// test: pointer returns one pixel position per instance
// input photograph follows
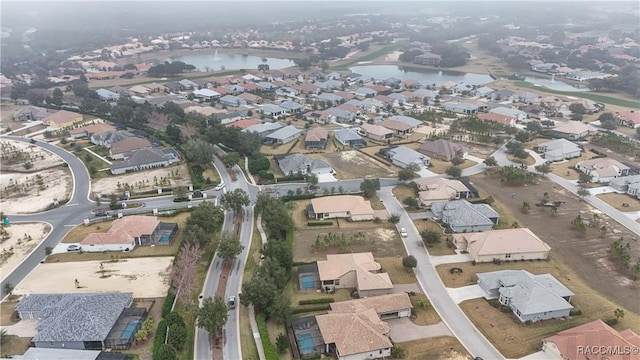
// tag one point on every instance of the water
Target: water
(217, 61)
(425, 76)
(554, 84)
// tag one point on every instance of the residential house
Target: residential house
(316, 139)
(531, 297)
(628, 118)
(140, 90)
(603, 170)
(440, 189)
(428, 59)
(107, 95)
(205, 110)
(574, 130)
(402, 156)
(463, 216)
(387, 101)
(341, 115)
(90, 130)
(581, 343)
(422, 94)
(244, 123)
(461, 107)
(498, 118)
(292, 107)
(318, 116)
(295, 163)
(232, 100)
(206, 94)
(286, 91)
(398, 98)
(283, 136)
(345, 95)
(509, 112)
(372, 104)
(351, 207)
(330, 98)
(504, 95)
(62, 119)
(128, 232)
(352, 109)
(263, 129)
(412, 122)
(506, 244)
(626, 184)
(143, 159)
(376, 132)
(81, 321)
(357, 271)
(442, 149)
(118, 149)
(483, 92)
(108, 138)
(250, 98)
(349, 137)
(399, 128)
(390, 306)
(559, 149)
(30, 113)
(329, 85)
(266, 86)
(273, 111)
(187, 84)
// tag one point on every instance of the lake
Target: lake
(425, 76)
(216, 61)
(555, 84)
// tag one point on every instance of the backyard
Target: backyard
(618, 200)
(566, 168)
(440, 348)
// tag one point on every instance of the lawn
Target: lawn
(275, 328)
(7, 309)
(440, 348)
(439, 249)
(402, 192)
(616, 200)
(507, 219)
(440, 166)
(376, 203)
(398, 273)
(355, 164)
(212, 174)
(79, 232)
(424, 315)
(14, 345)
(581, 94)
(529, 160)
(522, 339)
(566, 169)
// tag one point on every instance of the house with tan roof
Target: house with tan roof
(442, 149)
(90, 130)
(357, 271)
(498, 118)
(390, 306)
(316, 139)
(603, 170)
(244, 123)
(574, 130)
(351, 207)
(62, 118)
(376, 132)
(440, 189)
(629, 119)
(120, 148)
(130, 231)
(30, 113)
(584, 342)
(505, 244)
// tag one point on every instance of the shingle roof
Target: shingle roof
(62, 117)
(381, 304)
(461, 213)
(141, 157)
(124, 230)
(129, 144)
(575, 127)
(354, 333)
(346, 134)
(376, 129)
(294, 163)
(284, 133)
(260, 128)
(446, 149)
(505, 241)
(405, 155)
(604, 167)
(563, 146)
(407, 120)
(317, 134)
(363, 264)
(75, 317)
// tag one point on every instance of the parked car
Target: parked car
(220, 186)
(101, 213)
(231, 301)
(403, 232)
(74, 247)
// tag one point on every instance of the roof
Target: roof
(124, 230)
(405, 155)
(380, 304)
(244, 123)
(35, 111)
(317, 134)
(505, 241)
(442, 147)
(129, 144)
(294, 163)
(461, 213)
(575, 127)
(93, 129)
(355, 205)
(271, 108)
(457, 105)
(291, 105)
(330, 97)
(495, 117)
(604, 167)
(354, 333)
(111, 137)
(34, 353)
(376, 130)
(346, 134)
(263, 127)
(284, 133)
(395, 125)
(625, 180)
(632, 117)
(407, 120)
(595, 334)
(62, 117)
(141, 157)
(559, 146)
(75, 317)
(439, 183)
(363, 264)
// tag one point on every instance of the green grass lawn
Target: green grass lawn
(373, 55)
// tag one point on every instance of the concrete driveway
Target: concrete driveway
(450, 259)
(24, 328)
(466, 293)
(404, 330)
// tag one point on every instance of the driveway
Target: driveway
(466, 293)
(326, 177)
(450, 259)
(536, 356)
(24, 328)
(404, 330)
(405, 288)
(421, 215)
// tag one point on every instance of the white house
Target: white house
(603, 170)
(559, 149)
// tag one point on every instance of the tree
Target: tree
(185, 270)
(607, 121)
(8, 289)
(369, 187)
(457, 161)
(259, 291)
(454, 172)
(231, 159)
(394, 218)
(174, 133)
(207, 216)
(57, 97)
(235, 200)
(282, 343)
(584, 178)
(618, 313)
(544, 169)
(578, 108)
(520, 154)
(409, 262)
(166, 352)
(582, 192)
(198, 151)
(312, 179)
(212, 315)
(411, 201)
(491, 161)
(229, 246)
(177, 336)
(430, 237)
(406, 175)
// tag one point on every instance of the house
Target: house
(107, 95)
(500, 245)
(62, 119)
(188, 84)
(250, 98)
(130, 231)
(34, 353)
(390, 306)
(140, 90)
(349, 137)
(206, 94)
(509, 113)
(295, 163)
(30, 113)
(387, 101)
(351, 207)
(357, 271)
(412, 122)
(423, 94)
(628, 118)
(585, 342)
(603, 170)
(273, 111)
(462, 216)
(402, 156)
(244, 123)
(120, 148)
(330, 98)
(316, 139)
(497, 118)
(559, 149)
(292, 107)
(266, 86)
(440, 189)
(142, 159)
(90, 130)
(89, 321)
(531, 297)
(322, 117)
(574, 130)
(283, 135)
(263, 129)
(461, 107)
(108, 138)
(483, 92)
(504, 95)
(231, 100)
(341, 115)
(624, 183)
(376, 132)
(442, 149)
(399, 128)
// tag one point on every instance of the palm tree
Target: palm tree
(618, 313)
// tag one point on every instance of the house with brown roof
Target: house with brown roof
(440, 189)
(390, 306)
(30, 113)
(351, 207)
(629, 119)
(603, 170)
(316, 139)
(244, 123)
(120, 148)
(376, 132)
(574, 130)
(90, 130)
(585, 342)
(498, 118)
(442, 149)
(62, 118)
(250, 98)
(505, 244)
(128, 232)
(357, 271)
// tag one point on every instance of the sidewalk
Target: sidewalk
(252, 313)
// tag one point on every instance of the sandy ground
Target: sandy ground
(23, 238)
(143, 180)
(145, 277)
(427, 129)
(40, 158)
(55, 183)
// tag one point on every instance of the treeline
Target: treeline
(170, 69)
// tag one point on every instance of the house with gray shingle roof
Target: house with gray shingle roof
(349, 137)
(231, 100)
(273, 111)
(463, 216)
(292, 107)
(330, 98)
(109, 138)
(142, 159)
(365, 91)
(263, 129)
(298, 163)
(341, 115)
(461, 107)
(329, 85)
(283, 136)
(402, 156)
(412, 122)
(559, 149)
(75, 321)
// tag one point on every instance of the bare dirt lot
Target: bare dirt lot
(19, 240)
(353, 164)
(24, 193)
(16, 154)
(617, 200)
(141, 181)
(145, 277)
(586, 254)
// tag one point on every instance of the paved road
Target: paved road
(475, 343)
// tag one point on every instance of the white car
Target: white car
(220, 186)
(403, 232)
(231, 301)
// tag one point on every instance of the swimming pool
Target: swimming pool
(305, 344)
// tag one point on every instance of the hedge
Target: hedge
(480, 201)
(297, 197)
(168, 302)
(611, 322)
(319, 223)
(299, 310)
(316, 301)
(158, 340)
(270, 352)
(575, 312)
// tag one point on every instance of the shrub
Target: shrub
(611, 322)
(319, 223)
(299, 310)
(158, 340)
(505, 309)
(270, 352)
(168, 302)
(528, 322)
(282, 342)
(177, 335)
(575, 312)
(165, 352)
(316, 301)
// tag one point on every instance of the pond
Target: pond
(217, 61)
(554, 84)
(425, 76)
